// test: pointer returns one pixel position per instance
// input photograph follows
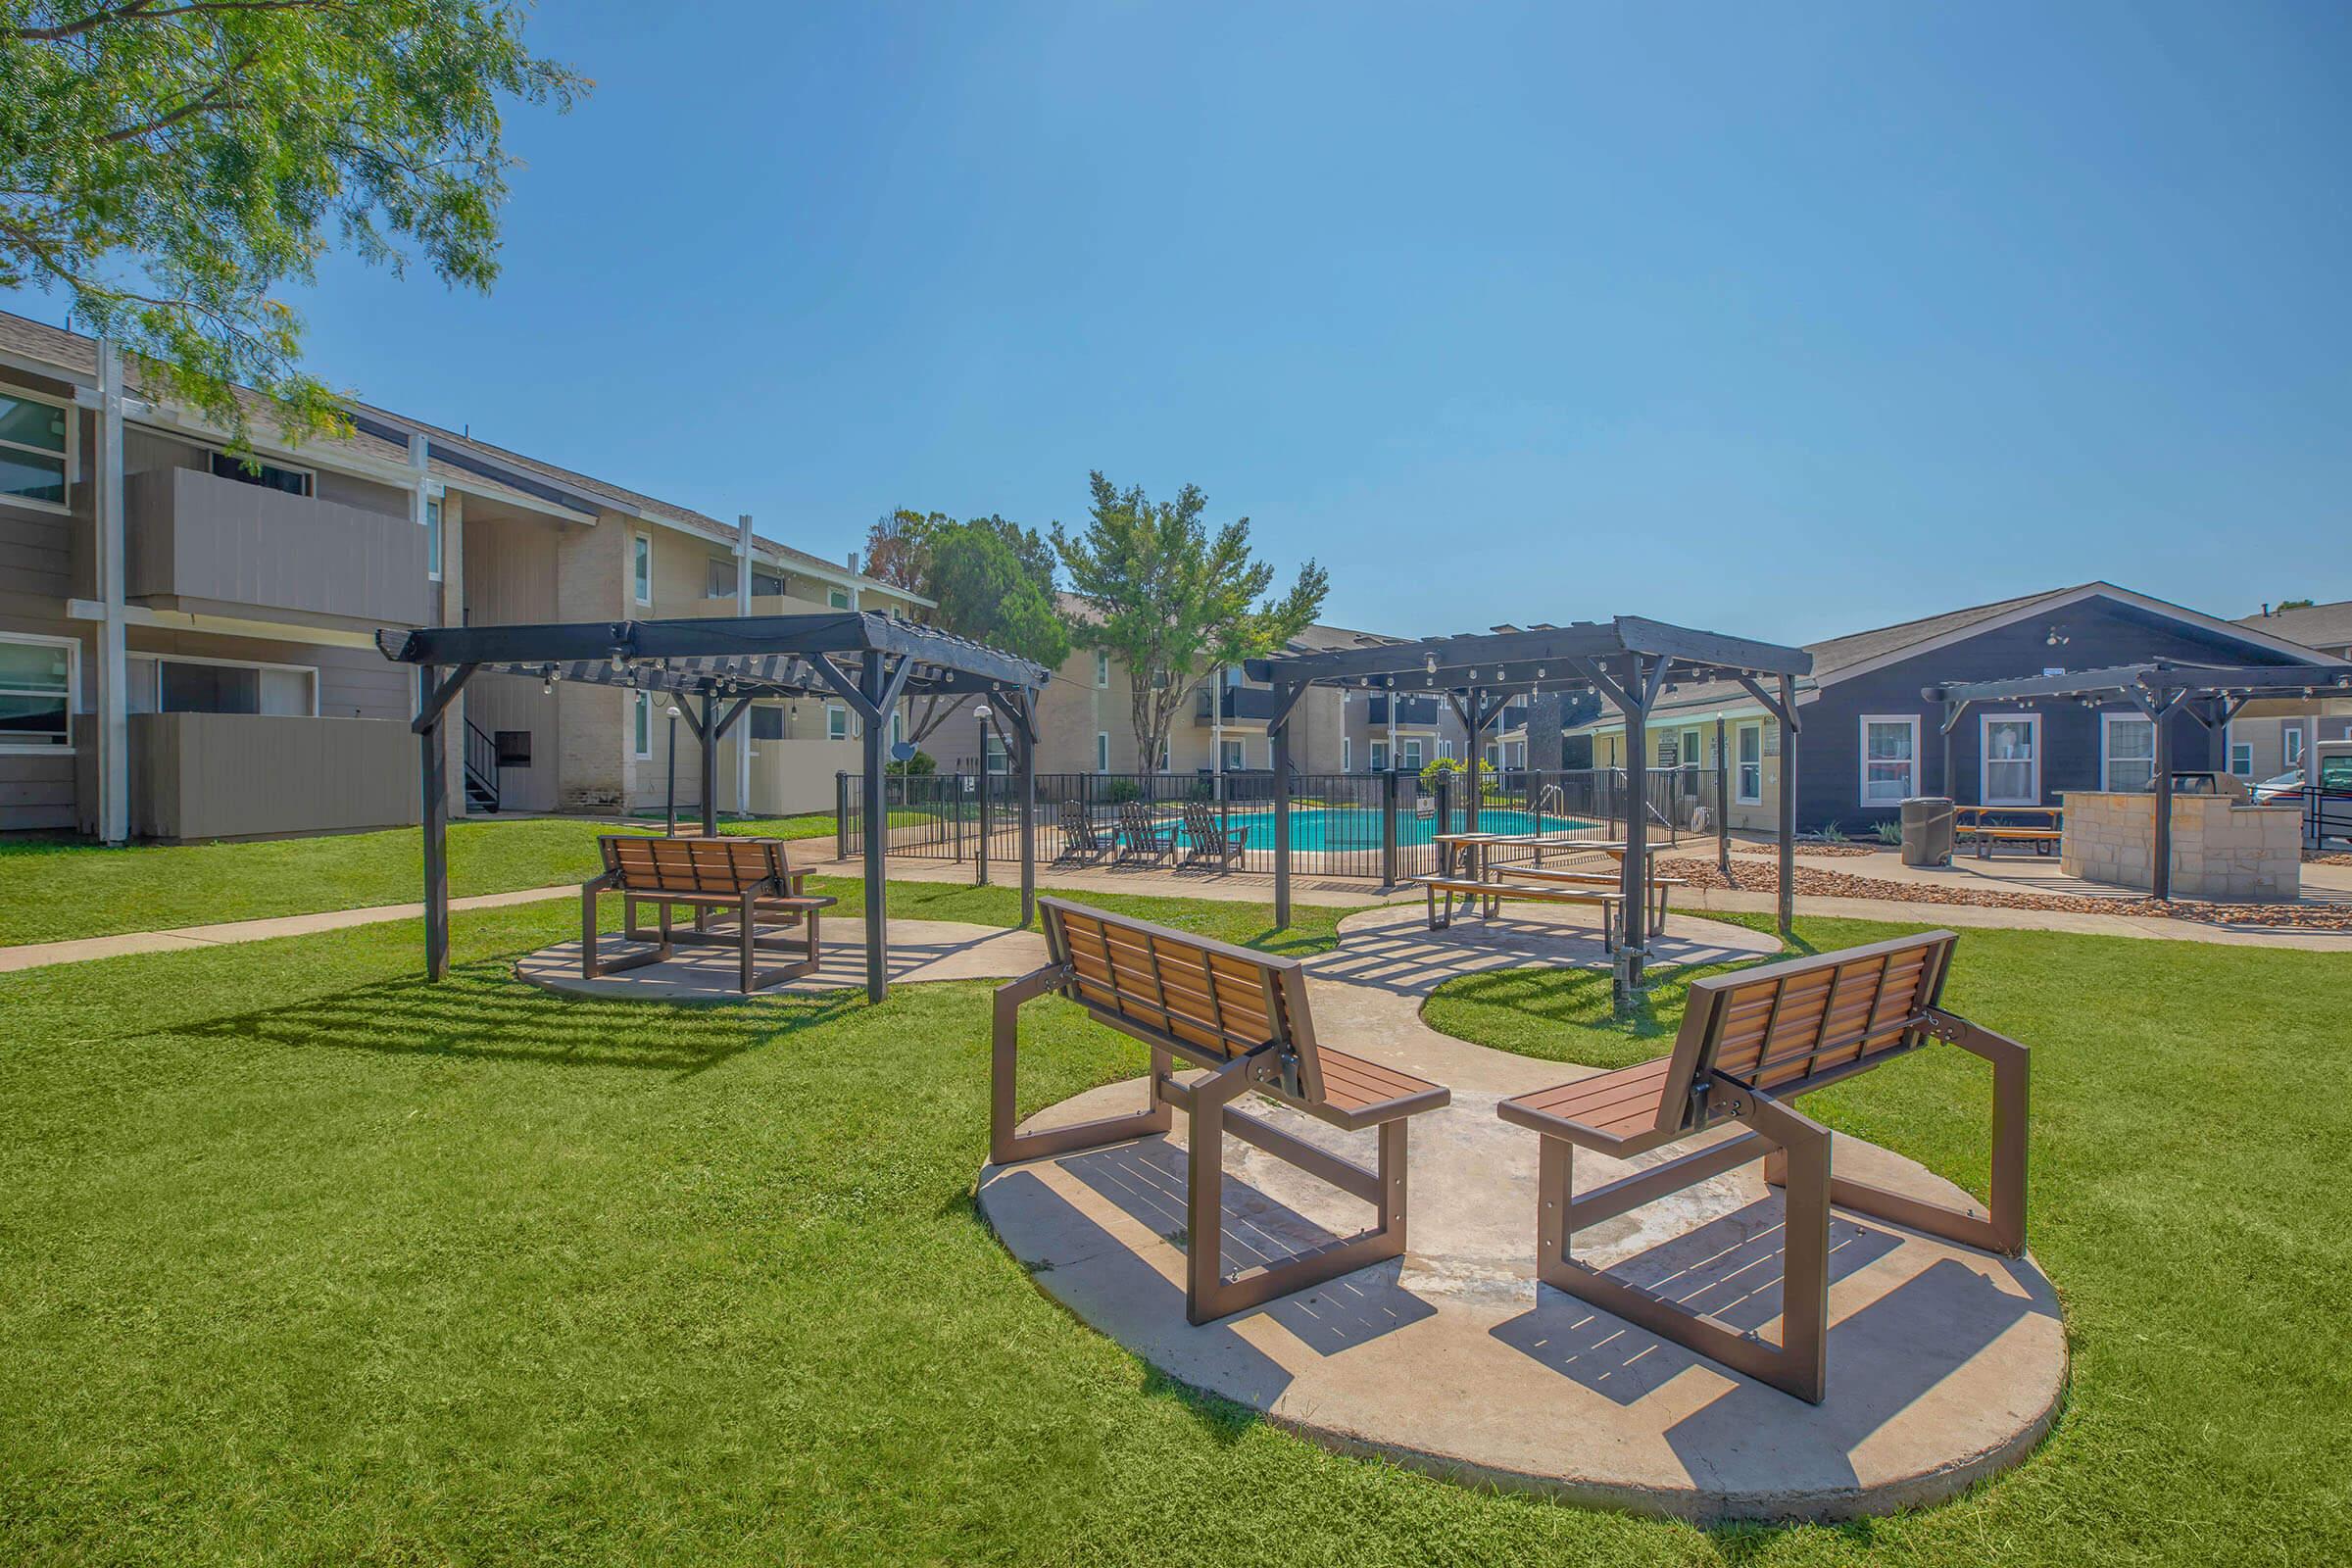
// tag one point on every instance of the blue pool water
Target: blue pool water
(1325, 828)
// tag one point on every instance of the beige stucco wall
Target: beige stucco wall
(2221, 850)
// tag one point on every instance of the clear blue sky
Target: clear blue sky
(1773, 322)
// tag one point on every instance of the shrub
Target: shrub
(1890, 833)
(1119, 791)
(920, 764)
(1831, 833)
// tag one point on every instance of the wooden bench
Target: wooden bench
(1659, 886)
(1487, 894)
(749, 878)
(1750, 1043)
(2041, 826)
(1242, 1016)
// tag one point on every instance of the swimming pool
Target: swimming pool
(1345, 827)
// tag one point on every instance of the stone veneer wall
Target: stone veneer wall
(2221, 850)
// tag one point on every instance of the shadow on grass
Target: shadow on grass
(481, 1013)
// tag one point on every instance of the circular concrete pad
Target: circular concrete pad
(919, 950)
(1944, 1364)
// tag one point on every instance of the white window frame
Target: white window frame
(1741, 795)
(1445, 749)
(432, 538)
(2292, 752)
(2108, 719)
(641, 567)
(1347, 754)
(1103, 669)
(1102, 751)
(641, 727)
(73, 648)
(2237, 746)
(838, 599)
(837, 722)
(73, 460)
(1862, 762)
(137, 653)
(1409, 749)
(1985, 723)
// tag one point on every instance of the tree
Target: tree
(1173, 601)
(165, 164)
(2292, 604)
(898, 547)
(992, 581)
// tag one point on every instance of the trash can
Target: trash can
(1927, 830)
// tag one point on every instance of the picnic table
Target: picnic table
(1466, 857)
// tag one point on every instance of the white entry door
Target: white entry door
(2012, 759)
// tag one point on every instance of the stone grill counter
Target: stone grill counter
(2221, 848)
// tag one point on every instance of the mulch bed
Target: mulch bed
(2329, 858)
(1823, 850)
(1813, 882)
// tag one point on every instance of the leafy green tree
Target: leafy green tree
(1173, 601)
(165, 164)
(898, 547)
(992, 581)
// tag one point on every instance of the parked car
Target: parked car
(2284, 789)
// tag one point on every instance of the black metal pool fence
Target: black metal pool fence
(1377, 828)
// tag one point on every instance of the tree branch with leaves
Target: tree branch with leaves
(1173, 601)
(167, 164)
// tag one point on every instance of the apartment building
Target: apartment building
(2272, 737)
(187, 638)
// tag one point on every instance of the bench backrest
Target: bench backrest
(1205, 1000)
(1796, 1025)
(645, 864)
(1077, 822)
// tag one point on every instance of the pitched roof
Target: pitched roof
(2314, 626)
(77, 355)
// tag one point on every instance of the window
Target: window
(432, 538)
(268, 475)
(2291, 736)
(641, 567)
(997, 761)
(1411, 751)
(1102, 668)
(837, 722)
(1889, 758)
(2241, 758)
(1102, 751)
(897, 726)
(183, 684)
(838, 597)
(767, 721)
(1444, 748)
(1748, 788)
(38, 687)
(514, 748)
(1347, 754)
(642, 724)
(2127, 749)
(1380, 756)
(2012, 759)
(37, 450)
(1233, 760)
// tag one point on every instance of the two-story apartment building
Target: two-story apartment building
(2271, 737)
(187, 636)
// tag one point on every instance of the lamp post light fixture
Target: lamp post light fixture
(672, 829)
(980, 715)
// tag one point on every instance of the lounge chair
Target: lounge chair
(1208, 842)
(1140, 838)
(1079, 839)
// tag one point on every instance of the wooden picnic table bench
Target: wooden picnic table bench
(1750, 1042)
(1659, 886)
(2041, 826)
(748, 879)
(1489, 893)
(1244, 1017)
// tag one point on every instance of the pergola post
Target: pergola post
(1278, 734)
(1024, 728)
(433, 754)
(707, 731)
(872, 685)
(1723, 800)
(2160, 855)
(1474, 710)
(1786, 909)
(1633, 680)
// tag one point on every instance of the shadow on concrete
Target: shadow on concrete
(1146, 1179)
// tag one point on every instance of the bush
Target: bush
(920, 764)
(1122, 790)
(1452, 768)
(1890, 833)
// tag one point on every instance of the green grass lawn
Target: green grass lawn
(59, 888)
(305, 1260)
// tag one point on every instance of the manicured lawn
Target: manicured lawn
(59, 890)
(305, 1260)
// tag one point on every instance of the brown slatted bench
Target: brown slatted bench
(1243, 1016)
(1659, 886)
(749, 878)
(1489, 893)
(1750, 1043)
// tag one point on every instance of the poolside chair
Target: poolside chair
(1208, 842)
(1140, 838)
(1080, 841)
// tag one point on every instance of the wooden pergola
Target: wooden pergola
(1628, 661)
(2210, 694)
(717, 668)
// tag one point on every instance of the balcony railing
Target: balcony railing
(1410, 710)
(1249, 705)
(193, 540)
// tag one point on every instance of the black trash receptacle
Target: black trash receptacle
(1927, 830)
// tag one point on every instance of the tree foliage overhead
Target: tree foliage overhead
(167, 163)
(1174, 600)
(991, 579)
